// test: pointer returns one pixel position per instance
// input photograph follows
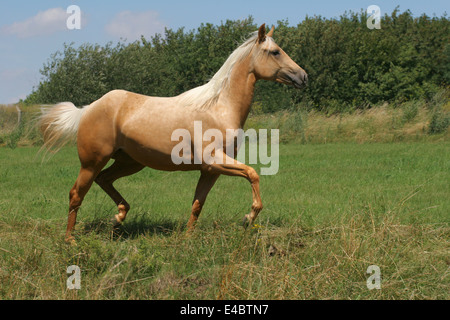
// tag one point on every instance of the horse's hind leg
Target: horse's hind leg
(123, 166)
(78, 192)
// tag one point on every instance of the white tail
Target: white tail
(59, 124)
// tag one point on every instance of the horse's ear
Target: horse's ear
(270, 34)
(262, 33)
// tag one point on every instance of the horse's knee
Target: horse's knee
(253, 177)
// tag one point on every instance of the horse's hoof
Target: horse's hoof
(116, 222)
(246, 221)
(71, 241)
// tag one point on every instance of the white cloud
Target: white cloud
(42, 24)
(132, 25)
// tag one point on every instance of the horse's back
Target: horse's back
(137, 124)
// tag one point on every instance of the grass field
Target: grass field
(331, 212)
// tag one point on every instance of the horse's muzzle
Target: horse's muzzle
(298, 78)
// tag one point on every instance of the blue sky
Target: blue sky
(30, 31)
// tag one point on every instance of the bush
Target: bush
(410, 110)
(439, 123)
(349, 66)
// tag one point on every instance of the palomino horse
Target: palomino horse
(136, 130)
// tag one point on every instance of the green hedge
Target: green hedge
(349, 65)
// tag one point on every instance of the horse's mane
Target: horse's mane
(203, 97)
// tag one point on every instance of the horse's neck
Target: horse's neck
(238, 95)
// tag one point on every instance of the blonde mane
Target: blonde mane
(203, 97)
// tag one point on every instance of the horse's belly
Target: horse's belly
(159, 159)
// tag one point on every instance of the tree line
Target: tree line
(349, 65)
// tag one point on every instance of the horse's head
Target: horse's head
(272, 63)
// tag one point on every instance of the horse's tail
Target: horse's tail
(59, 124)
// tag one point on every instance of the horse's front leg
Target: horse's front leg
(205, 183)
(232, 167)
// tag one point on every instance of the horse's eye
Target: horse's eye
(275, 52)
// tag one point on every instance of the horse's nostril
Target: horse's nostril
(301, 76)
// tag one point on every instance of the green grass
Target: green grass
(331, 212)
